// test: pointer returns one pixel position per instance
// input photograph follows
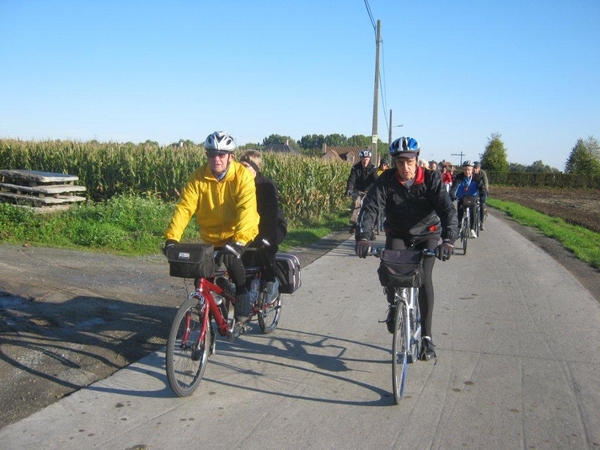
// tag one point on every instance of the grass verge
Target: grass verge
(124, 225)
(584, 243)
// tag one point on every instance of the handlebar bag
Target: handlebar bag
(191, 260)
(401, 268)
(469, 200)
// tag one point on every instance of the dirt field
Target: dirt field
(576, 206)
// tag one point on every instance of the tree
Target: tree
(540, 167)
(312, 141)
(494, 157)
(584, 158)
(278, 139)
(336, 140)
(516, 167)
(359, 140)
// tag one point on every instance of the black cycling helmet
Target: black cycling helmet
(467, 163)
(384, 161)
(476, 164)
(405, 147)
(364, 154)
(219, 141)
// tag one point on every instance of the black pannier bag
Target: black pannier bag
(401, 268)
(191, 260)
(287, 268)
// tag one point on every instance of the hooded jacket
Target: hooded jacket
(225, 210)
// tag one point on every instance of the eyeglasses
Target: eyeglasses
(212, 155)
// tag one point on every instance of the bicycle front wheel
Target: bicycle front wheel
(188, 348)
(268, 313)
(399, 352)
(465, 234)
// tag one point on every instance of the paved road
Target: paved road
(519, 368)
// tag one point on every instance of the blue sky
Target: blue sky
(453, 71)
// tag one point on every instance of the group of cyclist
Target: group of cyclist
(237, 206)
(419, 211)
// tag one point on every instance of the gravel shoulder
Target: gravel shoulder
(70, 318)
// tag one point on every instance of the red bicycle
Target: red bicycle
(205, 314)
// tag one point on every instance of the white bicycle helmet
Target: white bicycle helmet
(468, 163)
(220, 141)
(405, 146)
(364, 154)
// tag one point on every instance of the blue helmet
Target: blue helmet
(406, 147)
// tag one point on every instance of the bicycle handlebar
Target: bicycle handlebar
(376, 251)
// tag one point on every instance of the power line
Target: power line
(371, 16)
(383, 93)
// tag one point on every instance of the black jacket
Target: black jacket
(272, 225)
(361, 178)
(423, 210)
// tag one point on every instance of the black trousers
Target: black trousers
(426, 294)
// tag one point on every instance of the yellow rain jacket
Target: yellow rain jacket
(224, 209)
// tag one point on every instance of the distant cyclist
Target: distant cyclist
(467, 184)
(362, 176)
(383, 166)
(480, 173)
(418, 211)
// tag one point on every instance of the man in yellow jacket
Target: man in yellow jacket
(222, 194)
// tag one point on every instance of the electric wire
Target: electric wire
(381, 74)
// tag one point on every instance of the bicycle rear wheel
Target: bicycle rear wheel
(399, 352)
(268, 313)
(476, 221)
(188, 348)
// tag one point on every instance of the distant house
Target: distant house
(281, 148)
(349, 154)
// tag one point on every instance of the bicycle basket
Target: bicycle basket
(401, 268)
(469, 200)
(191, 260)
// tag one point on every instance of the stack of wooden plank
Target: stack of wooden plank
(36, 188)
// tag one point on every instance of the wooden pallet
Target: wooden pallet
(39, 188)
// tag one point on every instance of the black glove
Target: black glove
(349, 192)
(167, 245)
(261, 242)
(444, 251)
(362, 248)
(234, 248)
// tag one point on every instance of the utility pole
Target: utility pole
(390, 137)
(461, 154)
(375, 97)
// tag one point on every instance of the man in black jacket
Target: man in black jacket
(418, 211)
(362, 176)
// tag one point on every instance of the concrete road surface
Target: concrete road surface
(518, 340)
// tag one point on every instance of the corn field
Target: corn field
(309, 187)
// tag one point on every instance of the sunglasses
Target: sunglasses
(213, 155)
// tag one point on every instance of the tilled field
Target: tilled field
(576, 206)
